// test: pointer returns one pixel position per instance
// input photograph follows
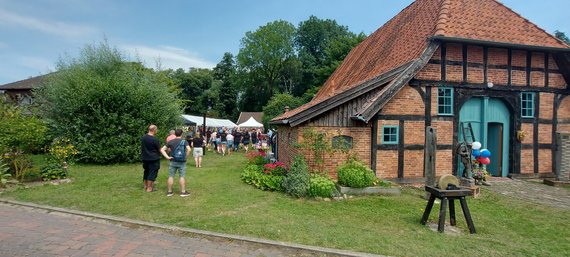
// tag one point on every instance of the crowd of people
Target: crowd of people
(177, 149)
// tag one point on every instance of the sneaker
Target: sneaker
(184, 194)
(169, 193)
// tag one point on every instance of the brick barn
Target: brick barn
(445, 64)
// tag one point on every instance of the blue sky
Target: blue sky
(34, 34)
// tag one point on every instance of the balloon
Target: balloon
(476, 146)
(475, 153)
(485, 153)
(484, 161)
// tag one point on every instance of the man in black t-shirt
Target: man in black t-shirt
(150, 156)
(237, 139)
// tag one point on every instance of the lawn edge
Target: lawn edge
(195, 232)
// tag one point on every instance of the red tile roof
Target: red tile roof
(406, 36)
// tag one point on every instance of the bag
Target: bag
(179, 154)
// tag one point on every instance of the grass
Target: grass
(383, 225)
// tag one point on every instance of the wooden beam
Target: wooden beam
(464, 48)
(427, 104)
(496, 87)
(344, 97)
(401, 150)
(528, 68)
(546, 64)
(485, 65)
(389, 91)
(510, 67)
(535, 132)
(443, 53)
(374, 146)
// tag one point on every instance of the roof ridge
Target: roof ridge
(442, 19)
(530, 22)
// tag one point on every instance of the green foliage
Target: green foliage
(20, 132)
(104, 104)
(276, 106)
(192, 84)
(257, 158)
(316, 145)
(60, 155)
(321, 186)
(253, 175)
(562, 36)
(4, 173)
(262, 60)
(354, 173)
(224, 72)
(297, 181)
(322, 46)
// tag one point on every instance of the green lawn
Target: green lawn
(383, 225)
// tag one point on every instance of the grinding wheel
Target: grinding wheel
(446, 180)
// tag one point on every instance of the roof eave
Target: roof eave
(498, 44)
(279, 122)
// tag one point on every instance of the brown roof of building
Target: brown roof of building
(244, 116)
(25, 84)
(405, 37)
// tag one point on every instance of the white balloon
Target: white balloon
(476, 146)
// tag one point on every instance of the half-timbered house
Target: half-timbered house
(444, 64)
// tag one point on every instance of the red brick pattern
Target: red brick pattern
(414, 132)
(564, 109)
(527, 161)
(407, 101)
(444, 130)
(414, 163)
(545, 134)
(430, 72)
(387, 164)
(546, 105)
(544, 161)
(528, 129)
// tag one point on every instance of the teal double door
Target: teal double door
(490, 120)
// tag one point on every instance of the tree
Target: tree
(192, 84)
(225, 72)
(562, 36)
(322, 46)
(262, 58)
(276, 106)
(104, 104)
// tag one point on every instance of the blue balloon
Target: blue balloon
(476, 153)
(485, 153)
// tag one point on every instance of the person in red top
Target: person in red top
(170, 136)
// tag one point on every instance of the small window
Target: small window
(342, 142)
(527, 105)
(390, 135)
(445, 101)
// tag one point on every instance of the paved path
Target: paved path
(26, 231)
(533, 191)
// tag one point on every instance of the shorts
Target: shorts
(218, 140)
(198, 152)
(236, 144)
(180, 166)
(151, 169)
(245, 142)
(230, 143)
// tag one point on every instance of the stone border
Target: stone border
(196, 232)
(377, 190)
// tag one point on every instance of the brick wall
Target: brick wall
(545, 164)
(286, 139)
(527, 161)
(546, 105)
(407, 101)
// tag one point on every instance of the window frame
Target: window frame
(397, 134)
(531, 102)
(440, 104)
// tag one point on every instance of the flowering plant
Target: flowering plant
(277, 168)
(480, 173)
(257, 158)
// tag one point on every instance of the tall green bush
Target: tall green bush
(21, 132)
(297, 181)
(104, 104)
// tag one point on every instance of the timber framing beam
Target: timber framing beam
(375, 104)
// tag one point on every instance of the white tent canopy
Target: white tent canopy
(210, 122)
(251, 123)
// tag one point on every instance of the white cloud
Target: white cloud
(55, 28)
(35, 63)
(167, 56)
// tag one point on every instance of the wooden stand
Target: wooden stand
(451, 196)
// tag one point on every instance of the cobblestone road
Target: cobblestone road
(35, 232)
(533, 191)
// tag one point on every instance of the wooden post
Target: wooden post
(430, 155)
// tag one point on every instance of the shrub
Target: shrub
(254, 175)
(322, 187)
(257, 158)
(297, 181)
(4, 173)
(354, 173)
(60, 154)
(277, 168)
(104, 103)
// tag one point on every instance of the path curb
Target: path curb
(195, 232)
